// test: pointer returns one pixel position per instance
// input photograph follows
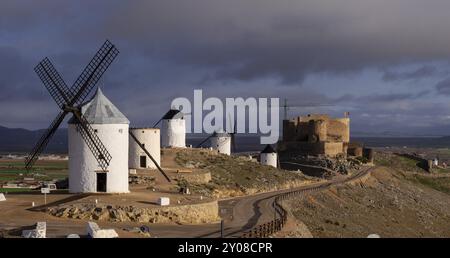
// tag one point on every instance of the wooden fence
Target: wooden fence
(275, 225)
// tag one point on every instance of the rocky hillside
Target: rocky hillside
(236, 175)
(390, 203)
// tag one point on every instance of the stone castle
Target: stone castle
(316, 134)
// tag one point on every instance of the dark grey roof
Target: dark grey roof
(173, 114)
(221, 134)
(100, 110)
(268, 149)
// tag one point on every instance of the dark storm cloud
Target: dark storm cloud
(378, 99)
(14, 83)
(443, 87)
(10, 63)
(410, 113)
(420, 118)
(170, 47)
(245, 40)
(420, 73)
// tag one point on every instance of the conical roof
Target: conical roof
(221, 133)
(268, 149)
(100, 110)
(173, 114)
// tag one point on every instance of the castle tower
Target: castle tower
(317, 131)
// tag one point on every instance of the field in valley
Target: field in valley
(44, 170)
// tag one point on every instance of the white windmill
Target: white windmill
(97, 131)
(268, 156)
(173, 129)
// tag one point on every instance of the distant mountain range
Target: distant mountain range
(18, 140)
(22, 140)
(390, 134)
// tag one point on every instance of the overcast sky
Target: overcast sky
(384, 61)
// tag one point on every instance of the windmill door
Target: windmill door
(143, 161)
(101, 182)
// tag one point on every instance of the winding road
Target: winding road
(243, 213)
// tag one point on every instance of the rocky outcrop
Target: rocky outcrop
(141, 180)
(183, 214)
(231, 192)
(196, 178)
(341, 165)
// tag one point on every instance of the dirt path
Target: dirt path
(251, 211)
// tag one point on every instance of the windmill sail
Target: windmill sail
(93, 72)
(43, 141)
(69, 99)
(94, 143)
(204, 140)
(53, 82)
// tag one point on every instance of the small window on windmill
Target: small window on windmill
(95, 131)
(143, 131)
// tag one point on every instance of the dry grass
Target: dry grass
(235, 173)
(387, 204)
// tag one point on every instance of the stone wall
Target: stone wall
(345, 130)
(317, 148)
(355, 151)
(319, 130)
(183, 214)
(333, 148)
(339, 129)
